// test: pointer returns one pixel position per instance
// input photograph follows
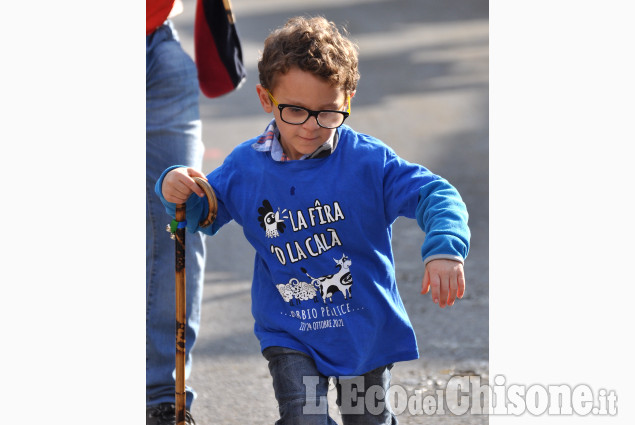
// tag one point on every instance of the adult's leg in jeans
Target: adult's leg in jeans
(301, 391)
(356, 395)
(173, 137)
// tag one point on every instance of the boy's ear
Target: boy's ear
(263, 96)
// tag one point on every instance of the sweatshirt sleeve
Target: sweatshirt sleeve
(443, 216)
(412, 191)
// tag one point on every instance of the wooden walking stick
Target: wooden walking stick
(177, 228)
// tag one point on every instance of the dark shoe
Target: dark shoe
(164, 414)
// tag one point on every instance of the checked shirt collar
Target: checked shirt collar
(269, 141)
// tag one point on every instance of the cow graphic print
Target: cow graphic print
(342, 281)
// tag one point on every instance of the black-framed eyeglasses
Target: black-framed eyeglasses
(297, 115)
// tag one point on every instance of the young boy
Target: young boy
(317, 200)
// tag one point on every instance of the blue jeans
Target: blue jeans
(173, 136)
(301, 392)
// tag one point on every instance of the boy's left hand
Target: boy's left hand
(447, 280)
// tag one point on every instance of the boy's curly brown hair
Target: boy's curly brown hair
(313, 45)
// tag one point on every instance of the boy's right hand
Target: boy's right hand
(179, 184)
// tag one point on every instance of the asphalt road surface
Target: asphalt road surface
(423, 91)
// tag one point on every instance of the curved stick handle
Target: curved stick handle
(211, 200)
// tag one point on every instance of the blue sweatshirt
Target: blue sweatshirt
(324, 274)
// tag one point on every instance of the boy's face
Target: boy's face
(301, 88)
